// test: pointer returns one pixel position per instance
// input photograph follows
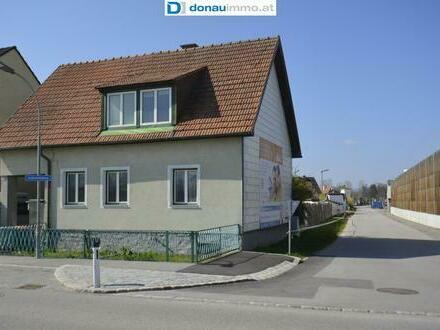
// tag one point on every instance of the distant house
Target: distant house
(13, 90)
(190, 139)
(339, 202)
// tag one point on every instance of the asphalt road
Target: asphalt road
(375, 252)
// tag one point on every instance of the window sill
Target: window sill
(74, 206)
(196, 207)
(116, 206)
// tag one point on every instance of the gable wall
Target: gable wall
(14, 91)
(271, 126)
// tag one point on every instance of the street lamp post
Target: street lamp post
(10, 70)
(322, 177)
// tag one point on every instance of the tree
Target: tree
(381, 191)
(372, 191)
(348, 184)
(301, 189)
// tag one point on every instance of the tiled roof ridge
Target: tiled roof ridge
(170, 51)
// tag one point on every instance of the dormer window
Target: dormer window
(155, 106)
(121, 109)
(139, 108)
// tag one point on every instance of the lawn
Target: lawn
(310, 241)
(123, 254)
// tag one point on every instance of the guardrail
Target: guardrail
(189, 246)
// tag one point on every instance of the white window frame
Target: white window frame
(155, 90)
(121, 113)
(171, 169)
(104, 190)
(63, 192)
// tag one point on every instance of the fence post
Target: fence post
(192, 246)
(196, 238)
(167, 245)
(42, 240)
(85, 244)
(220, 239)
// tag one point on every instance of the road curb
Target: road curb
(293, 306)
(65, 277)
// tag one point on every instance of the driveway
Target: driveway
(375, 253)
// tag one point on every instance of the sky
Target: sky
(364, 75)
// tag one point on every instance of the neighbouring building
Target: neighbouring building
(190, 139)
(415, 194)
(13, 90)
(339, 202)
(346, 191)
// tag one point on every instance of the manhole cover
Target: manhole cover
(30, 286)
(397, 291)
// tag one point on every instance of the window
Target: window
(116, 183)
(74, 187)
(121, 109)
(184, 185)
(156, 106)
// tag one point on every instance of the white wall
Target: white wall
(426, 219)
(271, 125)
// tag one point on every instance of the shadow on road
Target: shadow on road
(381, 248)
(243, 262)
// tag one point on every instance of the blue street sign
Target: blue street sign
(38, 177)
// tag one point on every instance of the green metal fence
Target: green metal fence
(17, 240)
(217, 241)
(190, 246)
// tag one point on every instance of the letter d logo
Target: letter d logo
(173, 8)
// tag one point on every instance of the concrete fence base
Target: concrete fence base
(426, 219)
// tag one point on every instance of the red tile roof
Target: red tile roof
(224, 102)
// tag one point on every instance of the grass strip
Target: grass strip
(310, 241)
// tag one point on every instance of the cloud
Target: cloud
(349, 141)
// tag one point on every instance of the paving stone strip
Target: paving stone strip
(115, 280)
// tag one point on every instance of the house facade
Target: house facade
(13, 90)
(191, 139)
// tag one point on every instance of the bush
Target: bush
(301, 189)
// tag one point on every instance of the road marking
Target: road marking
(27, 266)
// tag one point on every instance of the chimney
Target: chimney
(189, 46)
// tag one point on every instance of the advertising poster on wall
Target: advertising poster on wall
(273, 209)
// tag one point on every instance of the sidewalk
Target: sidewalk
(114, 280)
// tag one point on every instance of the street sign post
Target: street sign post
(38, 177)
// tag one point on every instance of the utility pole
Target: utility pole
(322, 177)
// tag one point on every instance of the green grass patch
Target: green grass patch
(126, 254)
(64, 254)
(123, 254)
(310, 241)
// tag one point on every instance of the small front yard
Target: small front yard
(310, 241)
